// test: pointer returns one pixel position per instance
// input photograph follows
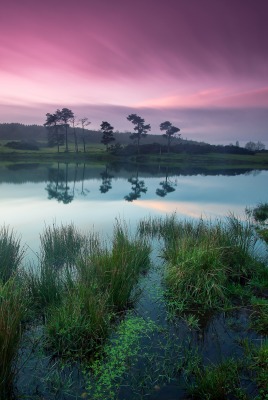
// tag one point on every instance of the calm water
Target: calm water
(32, 196)
(90, 196)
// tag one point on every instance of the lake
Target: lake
(93, 196)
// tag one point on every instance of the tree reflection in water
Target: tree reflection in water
(138, 187)
(167, 186)
(106, 181)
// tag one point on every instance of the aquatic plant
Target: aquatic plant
(107, 372)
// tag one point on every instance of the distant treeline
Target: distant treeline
(152, 144)
(38, 133)
(183, 147)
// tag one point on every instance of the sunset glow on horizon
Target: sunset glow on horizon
(202, 65)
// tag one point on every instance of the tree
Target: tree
(171, 130)
(107, 133)
(65, 116)
(74, 124)
(84, 122)
(255, 146)
(140, 128)
(53, 126)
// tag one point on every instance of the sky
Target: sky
(201, 64)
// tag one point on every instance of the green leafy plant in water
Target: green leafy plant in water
(118, 354)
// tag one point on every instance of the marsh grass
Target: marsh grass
(45, 286)
(81, 302)
(258, 213)
(259, 315)
(202, 258)
(79, 324)
(13, 305)
(60, 245)
(216, 382)
(11, 253)
(115, 271)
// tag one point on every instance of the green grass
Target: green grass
(13, 307)
(82, 283)
(11, 253)
(60, 245)
(216, 382)
(202, 258)
(97, 151)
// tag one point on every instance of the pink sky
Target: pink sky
(202, 64)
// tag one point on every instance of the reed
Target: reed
(11, 253)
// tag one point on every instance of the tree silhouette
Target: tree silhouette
(171, 130)
(139, 127)
(107, 133)
(53, 126)
(74, 124)
(138, 187)
(84, 122)
(65, 116)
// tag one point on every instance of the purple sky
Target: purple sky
(202, 64)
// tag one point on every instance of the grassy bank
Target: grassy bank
(98, 153)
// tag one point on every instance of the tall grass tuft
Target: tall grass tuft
(60, 245)
(12, 310)
(216, 382)
(45, 286)
(198, 275)
(202, 257)
(115, 271)
(80, 323)
(11, 253)
(101, 284)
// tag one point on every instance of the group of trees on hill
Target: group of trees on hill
(59, 123)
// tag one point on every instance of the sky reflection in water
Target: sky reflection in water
(94, 202)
